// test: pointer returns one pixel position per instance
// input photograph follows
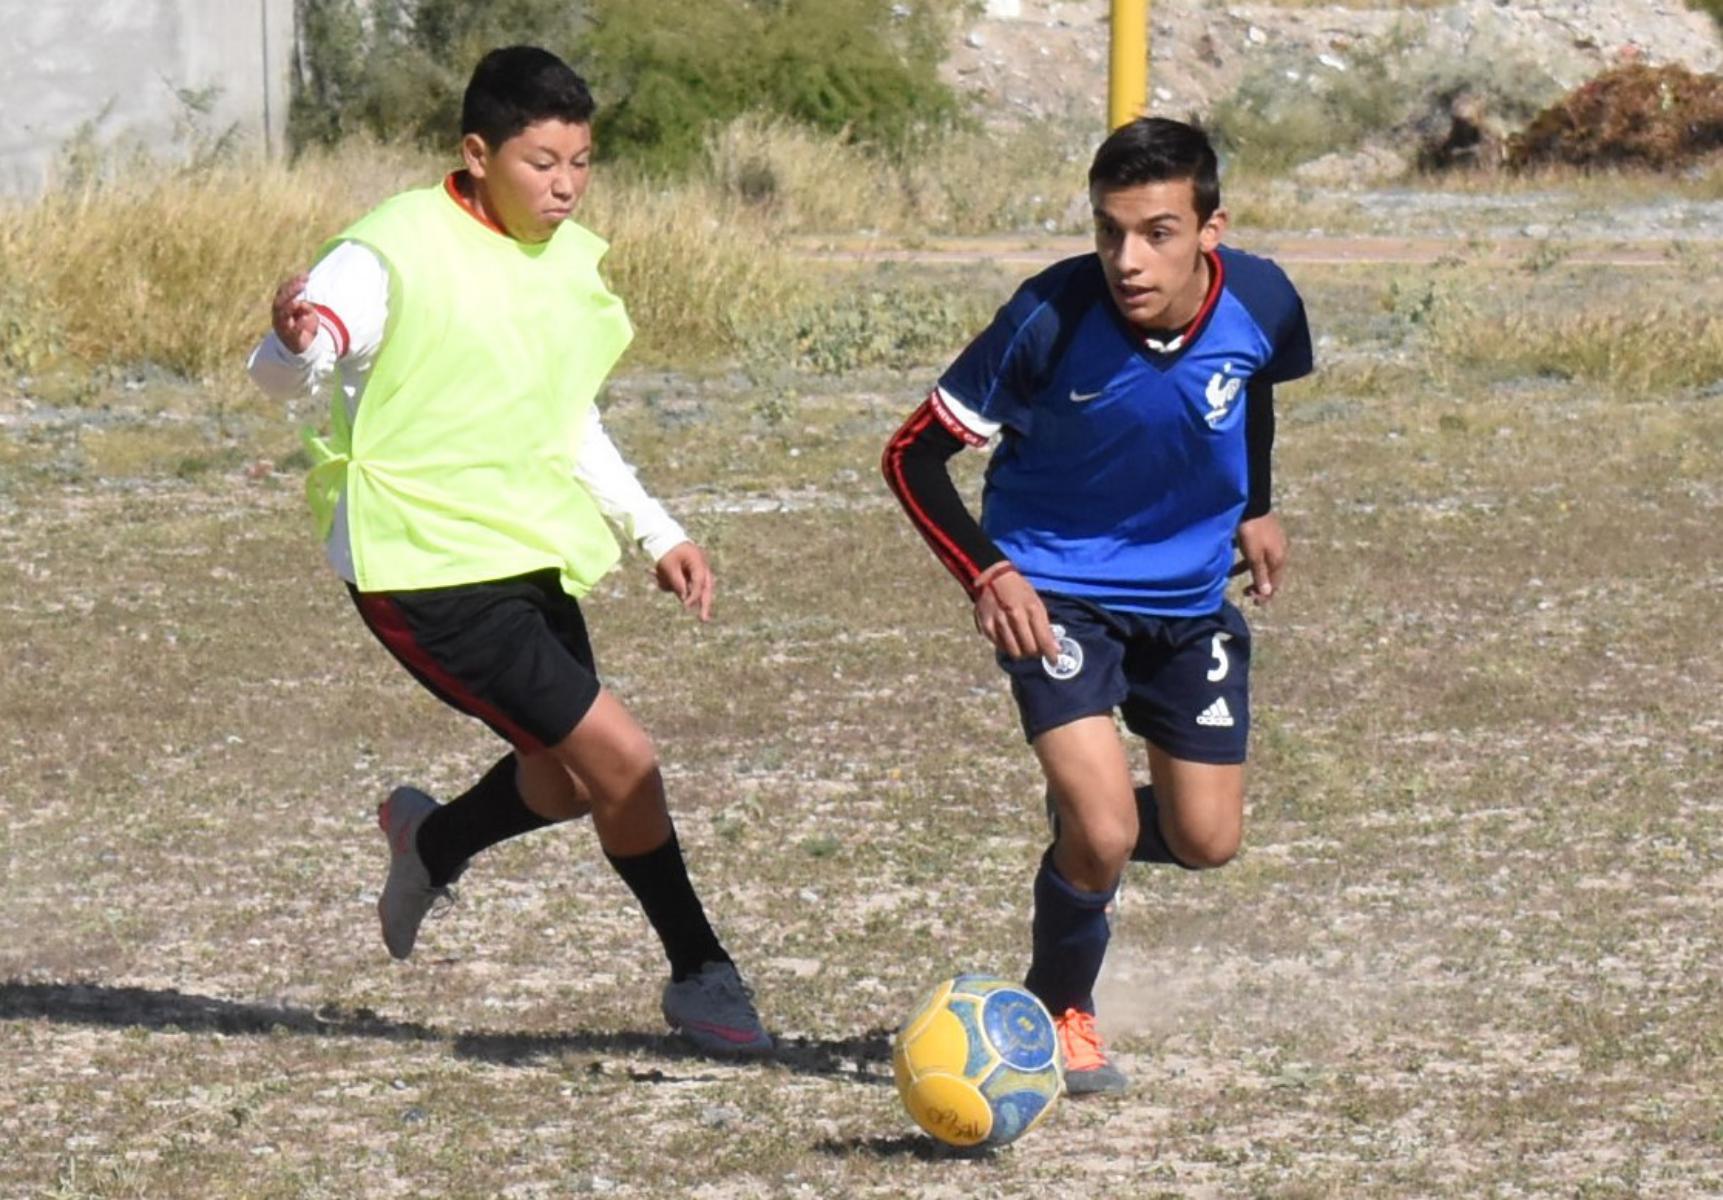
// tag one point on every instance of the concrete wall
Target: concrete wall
(118, 62)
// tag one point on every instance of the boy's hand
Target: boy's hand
(1263, 543)
(296, 322)
(1009, 613)
(683, 571)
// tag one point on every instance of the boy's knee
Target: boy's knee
(633, 778)
(637, 758)
(1210, 849)
(1096, 856)
(625, 770)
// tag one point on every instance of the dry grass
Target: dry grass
(173, 267)
(966, 183)
(697, 270)
(1626, 335)
(1596, 186)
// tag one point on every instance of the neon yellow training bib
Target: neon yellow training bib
(459, 466)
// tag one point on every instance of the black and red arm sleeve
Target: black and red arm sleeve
(916, 468)
(1259, 447)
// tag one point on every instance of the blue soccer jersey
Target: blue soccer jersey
(1122, 471)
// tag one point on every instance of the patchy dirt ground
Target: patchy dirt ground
(1468, 951)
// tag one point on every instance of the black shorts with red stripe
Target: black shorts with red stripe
(512, 652)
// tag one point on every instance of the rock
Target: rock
(1256, 36)
(1372, 164)
(974, 40)
(1463, 132)
(1004, 10)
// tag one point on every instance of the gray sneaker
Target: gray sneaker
(714, 1009)
(407, 893)
(1088, 1070)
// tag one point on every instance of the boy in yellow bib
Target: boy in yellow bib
(462, 332)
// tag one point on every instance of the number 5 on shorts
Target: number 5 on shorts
(1222, 664)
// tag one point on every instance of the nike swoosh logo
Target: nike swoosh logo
(1083, 397)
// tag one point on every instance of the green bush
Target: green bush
(399, 72)
(665, 71)
(672, 69)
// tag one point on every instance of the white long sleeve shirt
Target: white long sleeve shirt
(349, 289)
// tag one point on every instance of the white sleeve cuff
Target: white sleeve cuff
(962, 421)
(349, 288)
(286, 375)
(611, 482)
(662, 541)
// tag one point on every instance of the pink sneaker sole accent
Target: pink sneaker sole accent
(739, 1037)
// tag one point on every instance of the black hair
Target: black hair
(1156, 150)
(517, 86)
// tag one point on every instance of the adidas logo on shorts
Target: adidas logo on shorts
(1216, 714)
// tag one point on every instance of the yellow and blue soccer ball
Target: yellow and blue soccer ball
(978, 1063)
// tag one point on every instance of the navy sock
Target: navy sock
(489, 812)
(1151, 842)
(1070, 940)
(659, 880)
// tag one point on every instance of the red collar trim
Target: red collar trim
(1216, 280)
(472, 209)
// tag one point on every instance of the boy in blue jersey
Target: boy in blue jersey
(1131, 391)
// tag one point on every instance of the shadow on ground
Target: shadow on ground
(858, 1059)
(910, 1146)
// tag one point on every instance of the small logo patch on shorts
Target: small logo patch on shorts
(1216, 714)
(1070, 660)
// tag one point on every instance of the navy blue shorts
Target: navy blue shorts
(512, 652)
(1183, 683)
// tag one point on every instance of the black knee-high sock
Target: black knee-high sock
(1070, 940)
(1151, 842)
(489, 812)
(659, 880)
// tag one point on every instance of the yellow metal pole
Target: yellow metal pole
(1128, 77)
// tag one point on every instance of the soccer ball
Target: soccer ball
(978, 1062)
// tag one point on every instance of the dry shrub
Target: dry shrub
(1641, 116)
(151, 264)
(962, 182)
(1620, 342)
(697, 269)
(804, 179)
(146, 263)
